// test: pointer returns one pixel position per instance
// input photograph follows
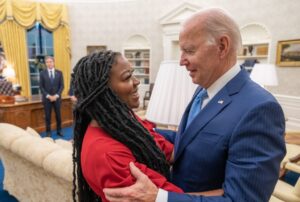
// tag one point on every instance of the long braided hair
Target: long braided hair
(97, 101)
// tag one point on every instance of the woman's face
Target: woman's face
(123, 83)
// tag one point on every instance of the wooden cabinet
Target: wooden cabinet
(31, 113)
(139, 59)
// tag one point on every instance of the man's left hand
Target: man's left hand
(142, 191)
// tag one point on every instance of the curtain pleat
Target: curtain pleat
(51, 15)
(24, 12)
(62, 54)
(2, 10)
(16, 16)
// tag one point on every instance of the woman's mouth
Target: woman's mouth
(136, 94)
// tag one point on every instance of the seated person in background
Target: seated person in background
(107, 133)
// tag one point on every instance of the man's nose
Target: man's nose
(183, 61)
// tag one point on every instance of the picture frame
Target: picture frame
(288, 53)
(93, 49)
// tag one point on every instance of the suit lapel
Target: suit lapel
(186, 112)
(46, 73)
(220, 101)
(55, 76)
(213, 108)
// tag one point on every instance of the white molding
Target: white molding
(291, 108)
(255, 33)
(170, 23)
(175, 16)
(137, 41)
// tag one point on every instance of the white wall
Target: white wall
(111, 24)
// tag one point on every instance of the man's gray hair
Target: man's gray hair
(218, 22)
(49, 57)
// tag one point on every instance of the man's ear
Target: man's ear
(224, 46)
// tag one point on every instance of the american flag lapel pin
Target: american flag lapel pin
(221, 101)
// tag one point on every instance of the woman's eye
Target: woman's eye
(128, 76)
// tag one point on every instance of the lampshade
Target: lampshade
(9, 72)
(173, 89)
(264, 74)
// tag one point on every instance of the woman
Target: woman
(108, 135)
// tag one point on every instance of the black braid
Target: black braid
(97, 101)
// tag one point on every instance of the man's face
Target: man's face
(49, 63)
(199, 55)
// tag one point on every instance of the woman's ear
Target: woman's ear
(224, 46)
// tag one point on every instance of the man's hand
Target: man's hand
(52, 98)
(142, 191)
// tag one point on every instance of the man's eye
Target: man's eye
(189, 51)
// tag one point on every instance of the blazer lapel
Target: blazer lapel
(46, 73)
(221, 100)
(214, 107)
(55, 76)
(182, 124)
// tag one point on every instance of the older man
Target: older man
(231, 134)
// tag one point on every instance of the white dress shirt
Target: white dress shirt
(51, 71)
(162, 195)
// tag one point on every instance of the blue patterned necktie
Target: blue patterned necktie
(196, 106)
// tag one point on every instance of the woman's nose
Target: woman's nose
(136, 81)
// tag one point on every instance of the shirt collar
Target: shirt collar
(50, 70)
(223, 80)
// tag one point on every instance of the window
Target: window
(40, 44)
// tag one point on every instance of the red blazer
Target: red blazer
(105, 161)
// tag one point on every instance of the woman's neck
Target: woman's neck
(94, 123)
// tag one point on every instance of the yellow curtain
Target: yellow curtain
(62, 53)
(51, 15)
(13, 40)
(2, 10)
(25, 13)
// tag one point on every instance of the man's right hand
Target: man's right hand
(142, 191)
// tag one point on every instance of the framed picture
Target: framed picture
(93, 49)
(288, 53)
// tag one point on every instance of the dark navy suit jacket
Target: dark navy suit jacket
(51, 88)
(235, 143)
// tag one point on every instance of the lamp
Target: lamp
(172, 91)
(264, 75)
(9, 73)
